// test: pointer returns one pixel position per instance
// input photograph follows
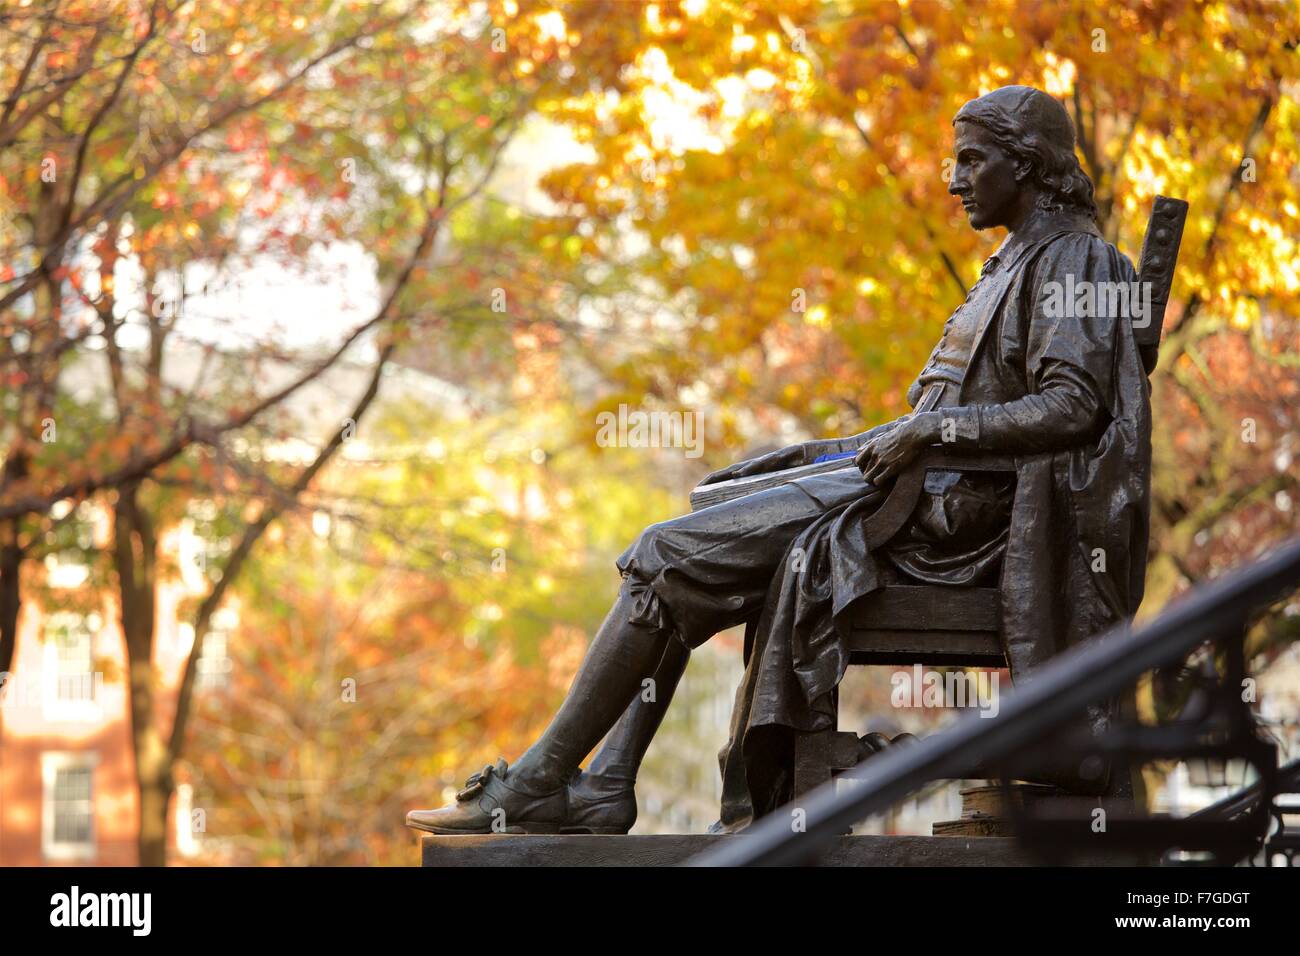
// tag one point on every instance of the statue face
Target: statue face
(984, 177)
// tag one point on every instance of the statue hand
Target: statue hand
(887, 453)
(789, 457)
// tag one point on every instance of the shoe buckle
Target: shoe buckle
(476, 783)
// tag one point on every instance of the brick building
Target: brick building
(67, 785)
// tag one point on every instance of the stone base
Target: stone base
(674, 849)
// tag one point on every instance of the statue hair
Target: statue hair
(1053, 165)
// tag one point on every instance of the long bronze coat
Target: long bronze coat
(1068, 396)
(1065, 394)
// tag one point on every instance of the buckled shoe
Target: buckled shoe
(489, 804)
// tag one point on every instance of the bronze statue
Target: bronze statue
(1017, 371)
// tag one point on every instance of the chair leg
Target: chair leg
(814, 753)
(812, 760)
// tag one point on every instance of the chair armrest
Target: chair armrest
(900, 502)
(949, 459)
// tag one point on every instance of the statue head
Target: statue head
(1015, 152)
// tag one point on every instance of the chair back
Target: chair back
(1156, 266)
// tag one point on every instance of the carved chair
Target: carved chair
(958, 626)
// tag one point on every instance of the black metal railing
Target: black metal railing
(1284, 838)
(1034, 712)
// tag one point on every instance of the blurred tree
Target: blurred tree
(784, 166)
(431, 625)
(118, 117)
(154, 154)
(760, 221)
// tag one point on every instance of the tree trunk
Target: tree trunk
(11, 562)
(11, 558)
(153, 775)
(135, 556)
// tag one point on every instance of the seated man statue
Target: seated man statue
(1014, 374)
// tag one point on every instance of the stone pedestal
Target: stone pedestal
(675, 849)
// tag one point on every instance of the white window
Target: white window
(214, 665)
(66, 566)
(68, 805)
(66, 569)
(72, 685)
(204, 548)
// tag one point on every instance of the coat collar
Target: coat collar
(998, 269)
(1040, 225)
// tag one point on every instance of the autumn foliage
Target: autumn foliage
(554, 208)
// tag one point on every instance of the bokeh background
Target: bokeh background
(307, 313)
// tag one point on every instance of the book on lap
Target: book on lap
(705, 496)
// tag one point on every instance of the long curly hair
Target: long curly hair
(1034, 127)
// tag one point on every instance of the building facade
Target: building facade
(67, 771)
